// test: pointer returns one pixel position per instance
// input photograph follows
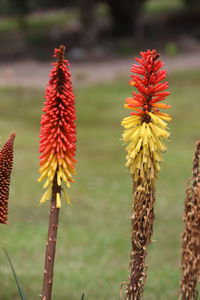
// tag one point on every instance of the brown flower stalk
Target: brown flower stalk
(142, 229)
(51, 244)
(190, 262)
(6, 162)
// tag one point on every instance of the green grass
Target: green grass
(157, 7)
(38, 21)
(94, 235)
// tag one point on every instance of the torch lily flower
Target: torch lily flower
(145, 133)
(58, 130)
(146, 127)
(6, 162)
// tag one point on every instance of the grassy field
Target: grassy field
(94, 234)
(157, 7)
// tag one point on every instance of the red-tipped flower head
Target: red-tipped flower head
(146, 129)
(147, 82)
(58, 130)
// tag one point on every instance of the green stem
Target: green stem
(15, 276)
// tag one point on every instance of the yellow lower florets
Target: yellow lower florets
(59, 168)
(146, 145)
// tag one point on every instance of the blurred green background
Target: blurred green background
(94, 234)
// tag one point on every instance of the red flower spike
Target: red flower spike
(58, 130)
(147, 82)
(6, 162)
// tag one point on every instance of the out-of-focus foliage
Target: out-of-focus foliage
(171, 49)
(14, 7)
(119, 10)
(22, 7)
(192, 3)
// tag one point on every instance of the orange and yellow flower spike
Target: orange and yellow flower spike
(58, 130)
(145, 134)
(146, 128)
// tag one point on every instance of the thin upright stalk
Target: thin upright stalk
(51, 244)
(142, 229)
(190, 261)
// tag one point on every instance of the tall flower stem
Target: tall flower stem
(146, 133)
(190, 260)
(57, 149)
(51, 244)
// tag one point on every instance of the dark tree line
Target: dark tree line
(124, 14)
(192, 3)
(22, 7)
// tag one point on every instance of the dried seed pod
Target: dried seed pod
(6, 163)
